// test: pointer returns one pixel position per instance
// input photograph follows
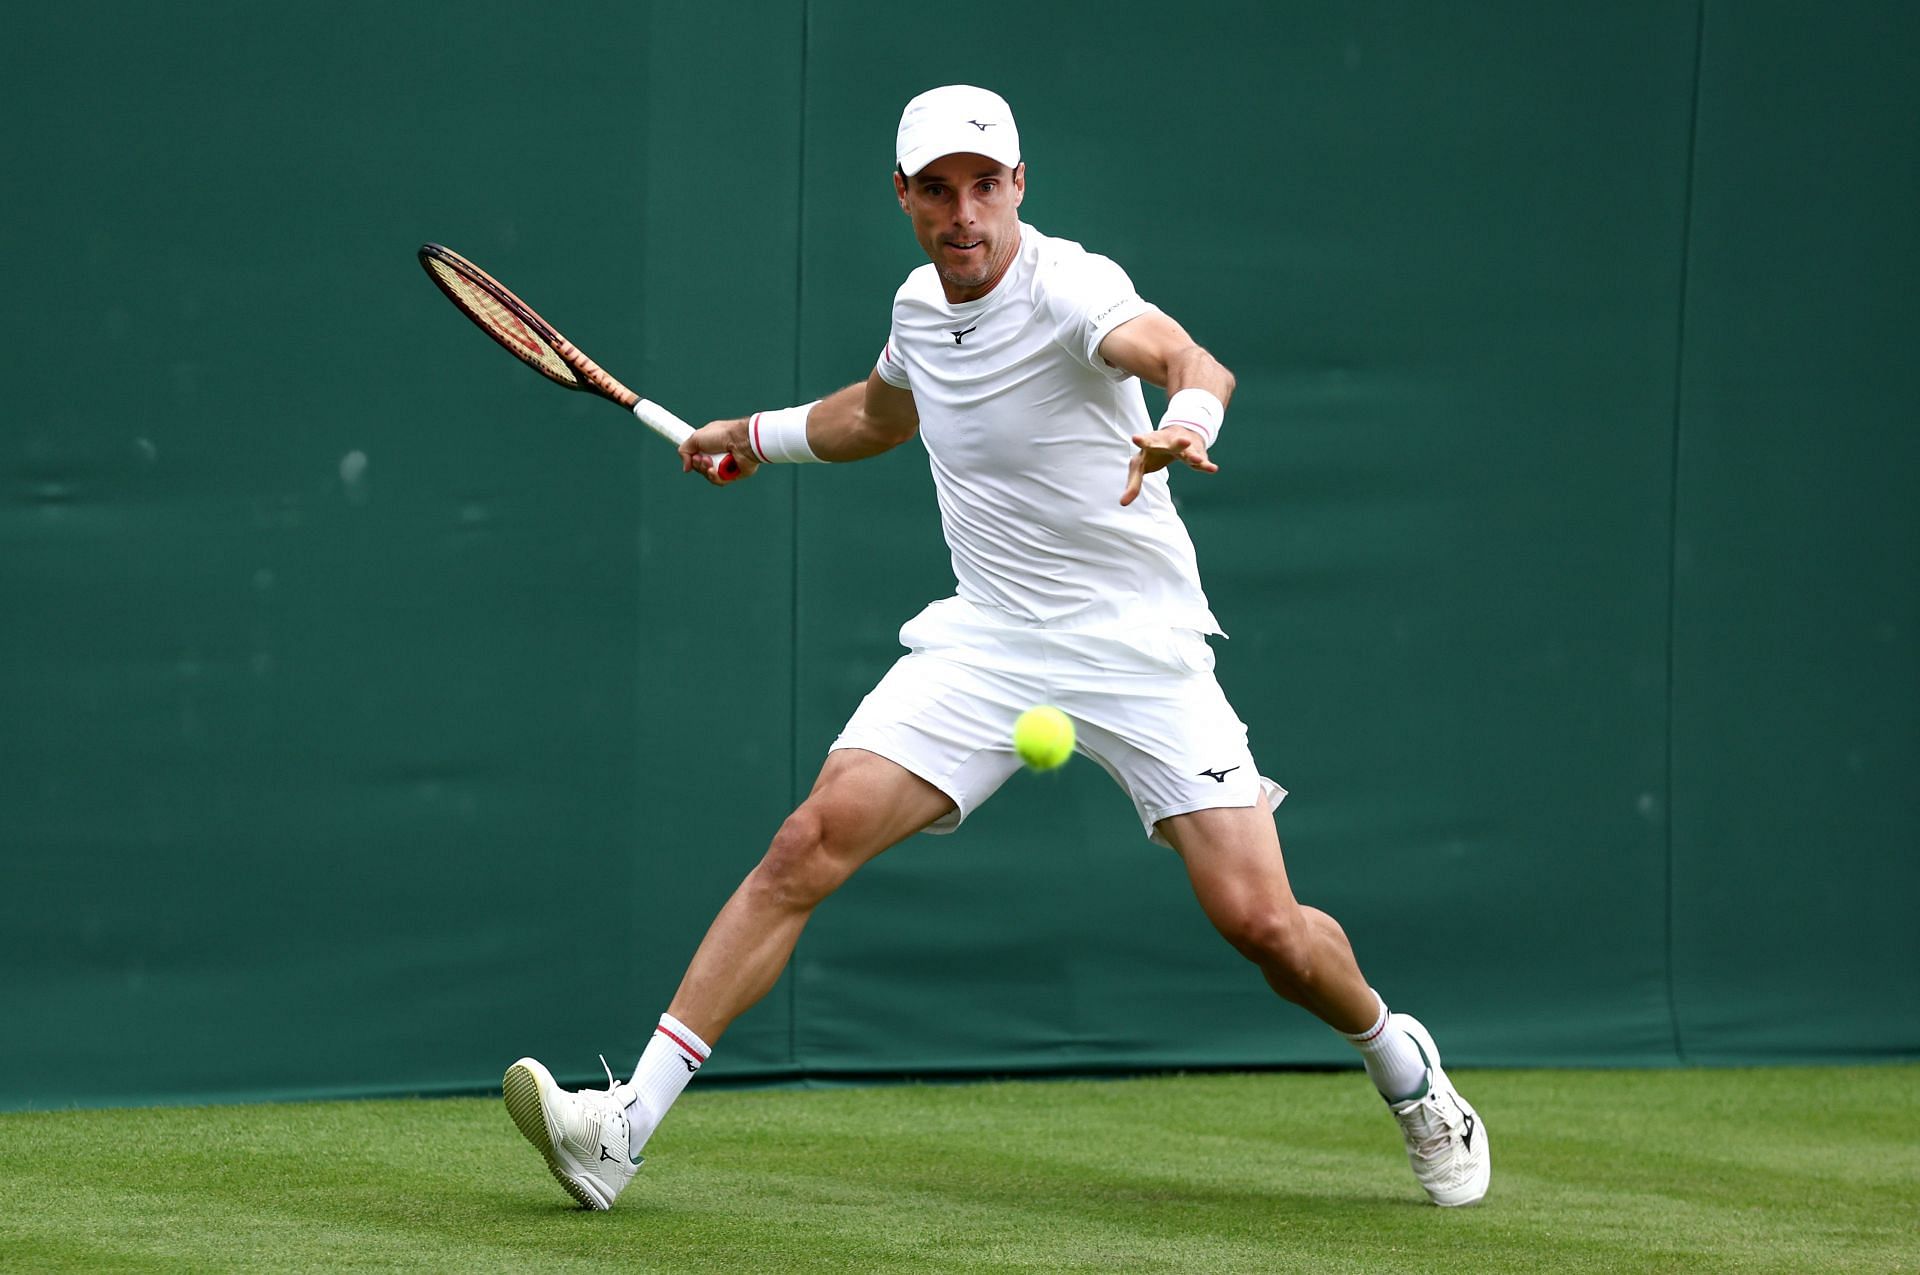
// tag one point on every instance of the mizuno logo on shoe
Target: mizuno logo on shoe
(963, 332)
(605, 1156)
(1218, 776)
(1467, 1138)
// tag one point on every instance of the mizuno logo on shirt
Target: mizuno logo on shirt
(1218, 776)
(965, 332)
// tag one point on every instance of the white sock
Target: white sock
(1394, 1062)
(667, 1064)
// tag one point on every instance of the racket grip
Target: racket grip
(675, 431)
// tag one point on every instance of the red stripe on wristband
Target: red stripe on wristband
(754, 440)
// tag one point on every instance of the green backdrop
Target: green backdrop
(373, 714)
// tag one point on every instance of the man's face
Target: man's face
(965, 213)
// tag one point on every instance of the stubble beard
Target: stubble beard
(991, 267)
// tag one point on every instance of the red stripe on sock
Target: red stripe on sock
(696, 1054)
(1374, 1034)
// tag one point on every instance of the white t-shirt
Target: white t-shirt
(1030, 432)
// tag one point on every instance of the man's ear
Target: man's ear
(1019, 183)
(900, 189)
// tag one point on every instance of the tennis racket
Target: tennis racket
(531, 339)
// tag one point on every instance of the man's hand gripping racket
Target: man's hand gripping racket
(531, 339)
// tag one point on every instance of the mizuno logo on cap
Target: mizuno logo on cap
(982, 127)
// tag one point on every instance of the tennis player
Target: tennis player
(1017, 358)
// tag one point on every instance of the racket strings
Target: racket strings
(501, 323)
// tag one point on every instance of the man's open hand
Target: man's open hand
(1161, 448)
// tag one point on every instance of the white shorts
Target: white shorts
(1144, 704)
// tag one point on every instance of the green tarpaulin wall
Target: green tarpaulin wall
(372, 713)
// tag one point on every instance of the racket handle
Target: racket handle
(676, 431)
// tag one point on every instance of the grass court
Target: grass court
(1782, 1169)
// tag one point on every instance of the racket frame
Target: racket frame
(587, 374)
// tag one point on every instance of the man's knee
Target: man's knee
(1276, 937)
(803, 865)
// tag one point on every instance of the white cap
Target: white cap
(956, 119)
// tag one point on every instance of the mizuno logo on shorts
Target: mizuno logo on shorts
(1218, 776)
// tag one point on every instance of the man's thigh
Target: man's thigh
(865, 803)
(1233, 856)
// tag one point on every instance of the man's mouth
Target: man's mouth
(965, 247)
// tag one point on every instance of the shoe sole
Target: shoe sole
(522, 1087)
(1476, 1189)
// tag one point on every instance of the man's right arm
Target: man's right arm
(862, 420)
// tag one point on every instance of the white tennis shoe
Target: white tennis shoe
(584, 1136)
(1446, 1140)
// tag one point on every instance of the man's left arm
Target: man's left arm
(1155, 348)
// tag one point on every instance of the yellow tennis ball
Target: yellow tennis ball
(1043, 737)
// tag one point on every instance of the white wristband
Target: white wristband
(780, 437)
(1198, 410)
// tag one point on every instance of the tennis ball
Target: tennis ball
(1043, 737)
